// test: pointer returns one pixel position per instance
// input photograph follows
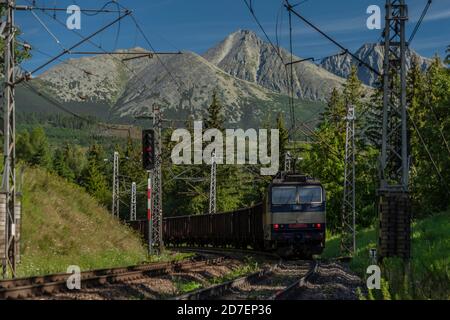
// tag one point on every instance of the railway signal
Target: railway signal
(148, 149)
(152, 160)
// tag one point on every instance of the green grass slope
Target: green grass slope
(430, 265)
(62, 225)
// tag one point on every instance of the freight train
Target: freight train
(291, 221)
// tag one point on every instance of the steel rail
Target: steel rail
(220, 289)
(298, 284)
(224, 251)
(40, 285)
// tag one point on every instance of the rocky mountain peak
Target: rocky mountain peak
(371, 53)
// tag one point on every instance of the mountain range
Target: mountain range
(247, 73)
(372, 54)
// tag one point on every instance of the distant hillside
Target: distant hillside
(373, 54)
(62, 225)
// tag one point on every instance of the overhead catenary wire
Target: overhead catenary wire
(143, 34)
(250, 8)
(54, 9)
(139, 77)
(72, 65)
(291, 82)
(363, 63)
(433, 111)
(141, 31)
(48, 30)
(430, 156)
(65, 51)
(422, 16)
(277, 50)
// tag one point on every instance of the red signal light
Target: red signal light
(276, 226)
(318, 225)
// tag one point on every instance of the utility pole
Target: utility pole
(149, 211)
(115, 193)
(152, 162)
(157, 241)
(8, 192)
(212, 187)
(133, 202)
(348, 237)
(394, 201)
(287, 162)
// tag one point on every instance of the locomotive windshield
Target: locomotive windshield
(311, 194)
(296, 194)
(284, 195)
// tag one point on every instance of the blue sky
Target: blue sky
(197, 25)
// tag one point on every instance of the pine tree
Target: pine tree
(93, 179)
(60, 166)
(283, 138)
(214, 117)
(75, 159)
(335, 109)
(353, 89)
(41, 149)
(447, 59)
(429, 95)
(24, 148)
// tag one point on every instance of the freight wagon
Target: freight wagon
(291, 220)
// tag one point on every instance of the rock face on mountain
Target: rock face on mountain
(182, 84)
(246, 72)
(245, 56)
(373, 54)
(187, 88)
(99, 78)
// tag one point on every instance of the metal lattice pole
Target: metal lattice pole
(348, 237)
(394, 202)
(133, 202)
(212, 186)
(9, 153)
(149, 211)
(287, 162)
(156, 234)
(115, 193)
(394, 156)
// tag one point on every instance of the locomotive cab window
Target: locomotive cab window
(310, 194)
(284, 195)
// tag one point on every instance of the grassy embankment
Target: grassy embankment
(62, 225)
(430, 265)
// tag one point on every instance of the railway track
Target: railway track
(23, 288)
(260, 285)
(226, 251)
